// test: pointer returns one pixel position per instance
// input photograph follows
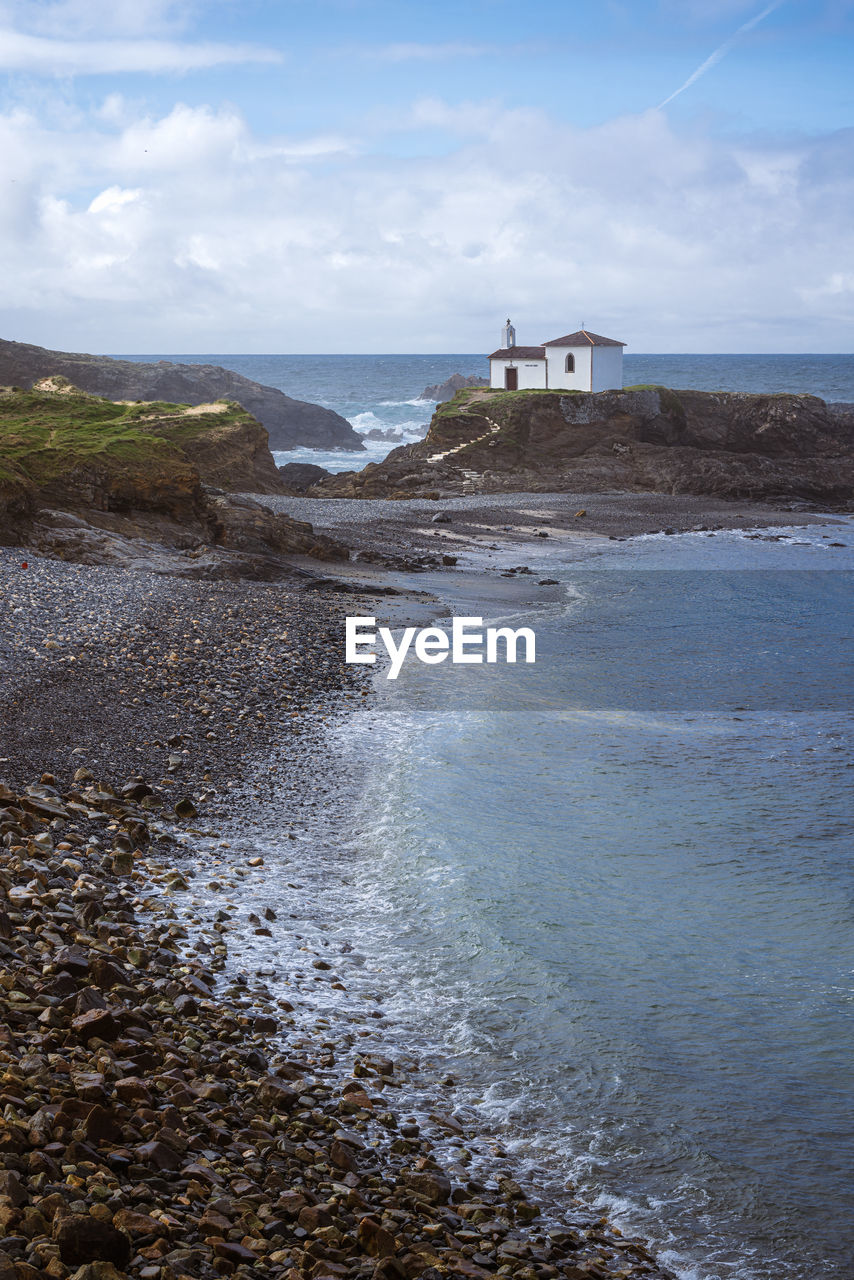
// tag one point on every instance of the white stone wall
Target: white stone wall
(532, 373)
(579, 380)
(607, 368)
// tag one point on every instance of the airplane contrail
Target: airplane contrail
(720, 52)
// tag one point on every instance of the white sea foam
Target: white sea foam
(367, 421)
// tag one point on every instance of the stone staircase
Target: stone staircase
(492, 430)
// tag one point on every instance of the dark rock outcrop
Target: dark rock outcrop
(457, 382)
(299, 476)
(242, 524)
(645, 439)
(290, 423)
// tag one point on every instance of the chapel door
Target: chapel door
(511, 379)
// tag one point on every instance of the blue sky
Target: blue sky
(350, 175)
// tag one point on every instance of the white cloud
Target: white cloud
(188, 232)
(48, 56)
(113, 199)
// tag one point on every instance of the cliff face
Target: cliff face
(81, 477)
(227, 446)
(290, 423)
(647, 439)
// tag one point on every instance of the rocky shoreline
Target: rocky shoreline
(419, 533)
(161, 1116)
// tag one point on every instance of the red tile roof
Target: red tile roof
(583, 339)
(519, 353)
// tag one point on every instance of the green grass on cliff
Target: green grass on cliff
(473, 397)
(45, 434)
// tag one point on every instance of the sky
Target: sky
(233, 176)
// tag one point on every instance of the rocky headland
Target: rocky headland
(642, 440)
(84, 478)
(290, 423)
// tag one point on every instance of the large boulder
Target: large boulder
(297, 477)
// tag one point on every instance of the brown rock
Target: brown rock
(213, 1224)
(158, 1155)
(32, 1223)
(9, 1215)
(90, 1085)
(101, 1125)
(392, 1269)
(25, 1271)
(644, 439)
(50, 1205)
(97, 1024)
(290, 1203)
(211, 1090)
(10, 1186)
(343, 1157)
(203, 1173)
(98, 1271)
(138, 1224)
(430, 1185)
(314, 1216)
(132, 1090)
(82, 1238)
(374, 1239)
(74, 960)
(106, 974)
(234, 1252)
(275, 1093)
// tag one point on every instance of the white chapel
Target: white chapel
(581, 361)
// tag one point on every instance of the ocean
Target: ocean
(610, 893)
(381, 393)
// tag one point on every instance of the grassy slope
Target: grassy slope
(47, 434)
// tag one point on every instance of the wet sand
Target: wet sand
(511, 522)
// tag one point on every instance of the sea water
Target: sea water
(615, 890)
(381, 393)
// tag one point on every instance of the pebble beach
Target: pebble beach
(166, 1114)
